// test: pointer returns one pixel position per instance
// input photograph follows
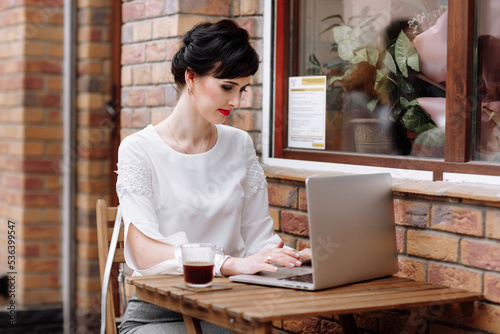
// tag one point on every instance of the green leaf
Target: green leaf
(425, 127)
(336, 16)
(372, 104)
(330, 27)
(314, 60)
(379, 75)
(433, 137)
(331, 80)
(359, 56)
(346, 49)
(414, 117)
(405, 54)
(372, 54)
(341, 33)
(389, 62)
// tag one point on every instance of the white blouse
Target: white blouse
(219, 196)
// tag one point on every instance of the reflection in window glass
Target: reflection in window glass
(488, 81)
(385, 63)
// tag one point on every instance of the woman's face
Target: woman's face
(216, 98)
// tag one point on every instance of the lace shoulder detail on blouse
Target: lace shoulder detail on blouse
(134, 176)
(255, 179)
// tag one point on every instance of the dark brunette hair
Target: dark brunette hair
(221, 49)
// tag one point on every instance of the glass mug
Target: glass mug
(198, 263)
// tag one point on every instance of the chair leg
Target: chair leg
(192, 325)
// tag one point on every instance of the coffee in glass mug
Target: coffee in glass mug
(198, 263)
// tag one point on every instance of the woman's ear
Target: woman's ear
(189, 77)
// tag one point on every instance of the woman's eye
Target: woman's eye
(243, 89)
(227, 88)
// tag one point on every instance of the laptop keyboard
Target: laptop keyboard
(305, 278)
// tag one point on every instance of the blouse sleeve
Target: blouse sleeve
(138, 203)
(256, 224)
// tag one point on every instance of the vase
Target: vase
(371, 137)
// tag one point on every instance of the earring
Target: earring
(190, 91)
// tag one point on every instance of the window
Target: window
(429, 93)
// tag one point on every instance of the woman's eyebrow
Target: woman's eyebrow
(231, 82)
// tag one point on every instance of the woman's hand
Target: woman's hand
(265, 260)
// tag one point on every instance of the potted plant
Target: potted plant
(382, 81)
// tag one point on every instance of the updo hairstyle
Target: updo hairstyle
(221, 49)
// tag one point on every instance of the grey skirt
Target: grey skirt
(141, 317)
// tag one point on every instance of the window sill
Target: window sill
(449, 191)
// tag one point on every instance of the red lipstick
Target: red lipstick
(224, 112)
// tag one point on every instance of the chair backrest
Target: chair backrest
(105, 224)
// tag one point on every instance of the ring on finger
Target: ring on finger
(269, 259)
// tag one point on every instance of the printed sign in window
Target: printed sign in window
(307, 112)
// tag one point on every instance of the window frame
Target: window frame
(458, 103)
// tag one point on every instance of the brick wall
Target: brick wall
(31, 55)
(152, 33)
(446, 234)
(93, 150)
(31, 59)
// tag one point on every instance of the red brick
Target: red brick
(454, 277)
(242, 119)
(155, 8)
(29, 249)
(401, 239)
(411, 213)
(155, 51)
(275, 215)
(282, 195)
(247, 23)
(303, 243)
(29, 282)
(457, 219)
(132, 11)
(52, 281)
(308, 325)
(206, 7)
(53, 248)
(42, 66)
(154, 96)
(413, 269)
(40, 297)
(39, 232)
(492, 287)
(133, 54)
(485, 255)
(141, 118)
(294, 223)
(41, 199)
(40, 166)
(302, 200)
(38, 265)
(493, 224)
(485, 317)
(432, 245)
(133, 97)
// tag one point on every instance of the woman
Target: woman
(192, 179)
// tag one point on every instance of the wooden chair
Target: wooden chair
(106, 223)
(106, 217)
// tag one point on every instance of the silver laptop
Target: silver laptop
(352, 234)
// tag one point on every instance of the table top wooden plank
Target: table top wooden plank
(261, 304)
(298, 297)
(346, 304)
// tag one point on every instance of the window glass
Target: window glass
(488, 81)
(385, 63)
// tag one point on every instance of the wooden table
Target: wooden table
(248, 308)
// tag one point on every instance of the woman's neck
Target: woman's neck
(186, 130)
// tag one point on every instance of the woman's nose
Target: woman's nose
(235, 101)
